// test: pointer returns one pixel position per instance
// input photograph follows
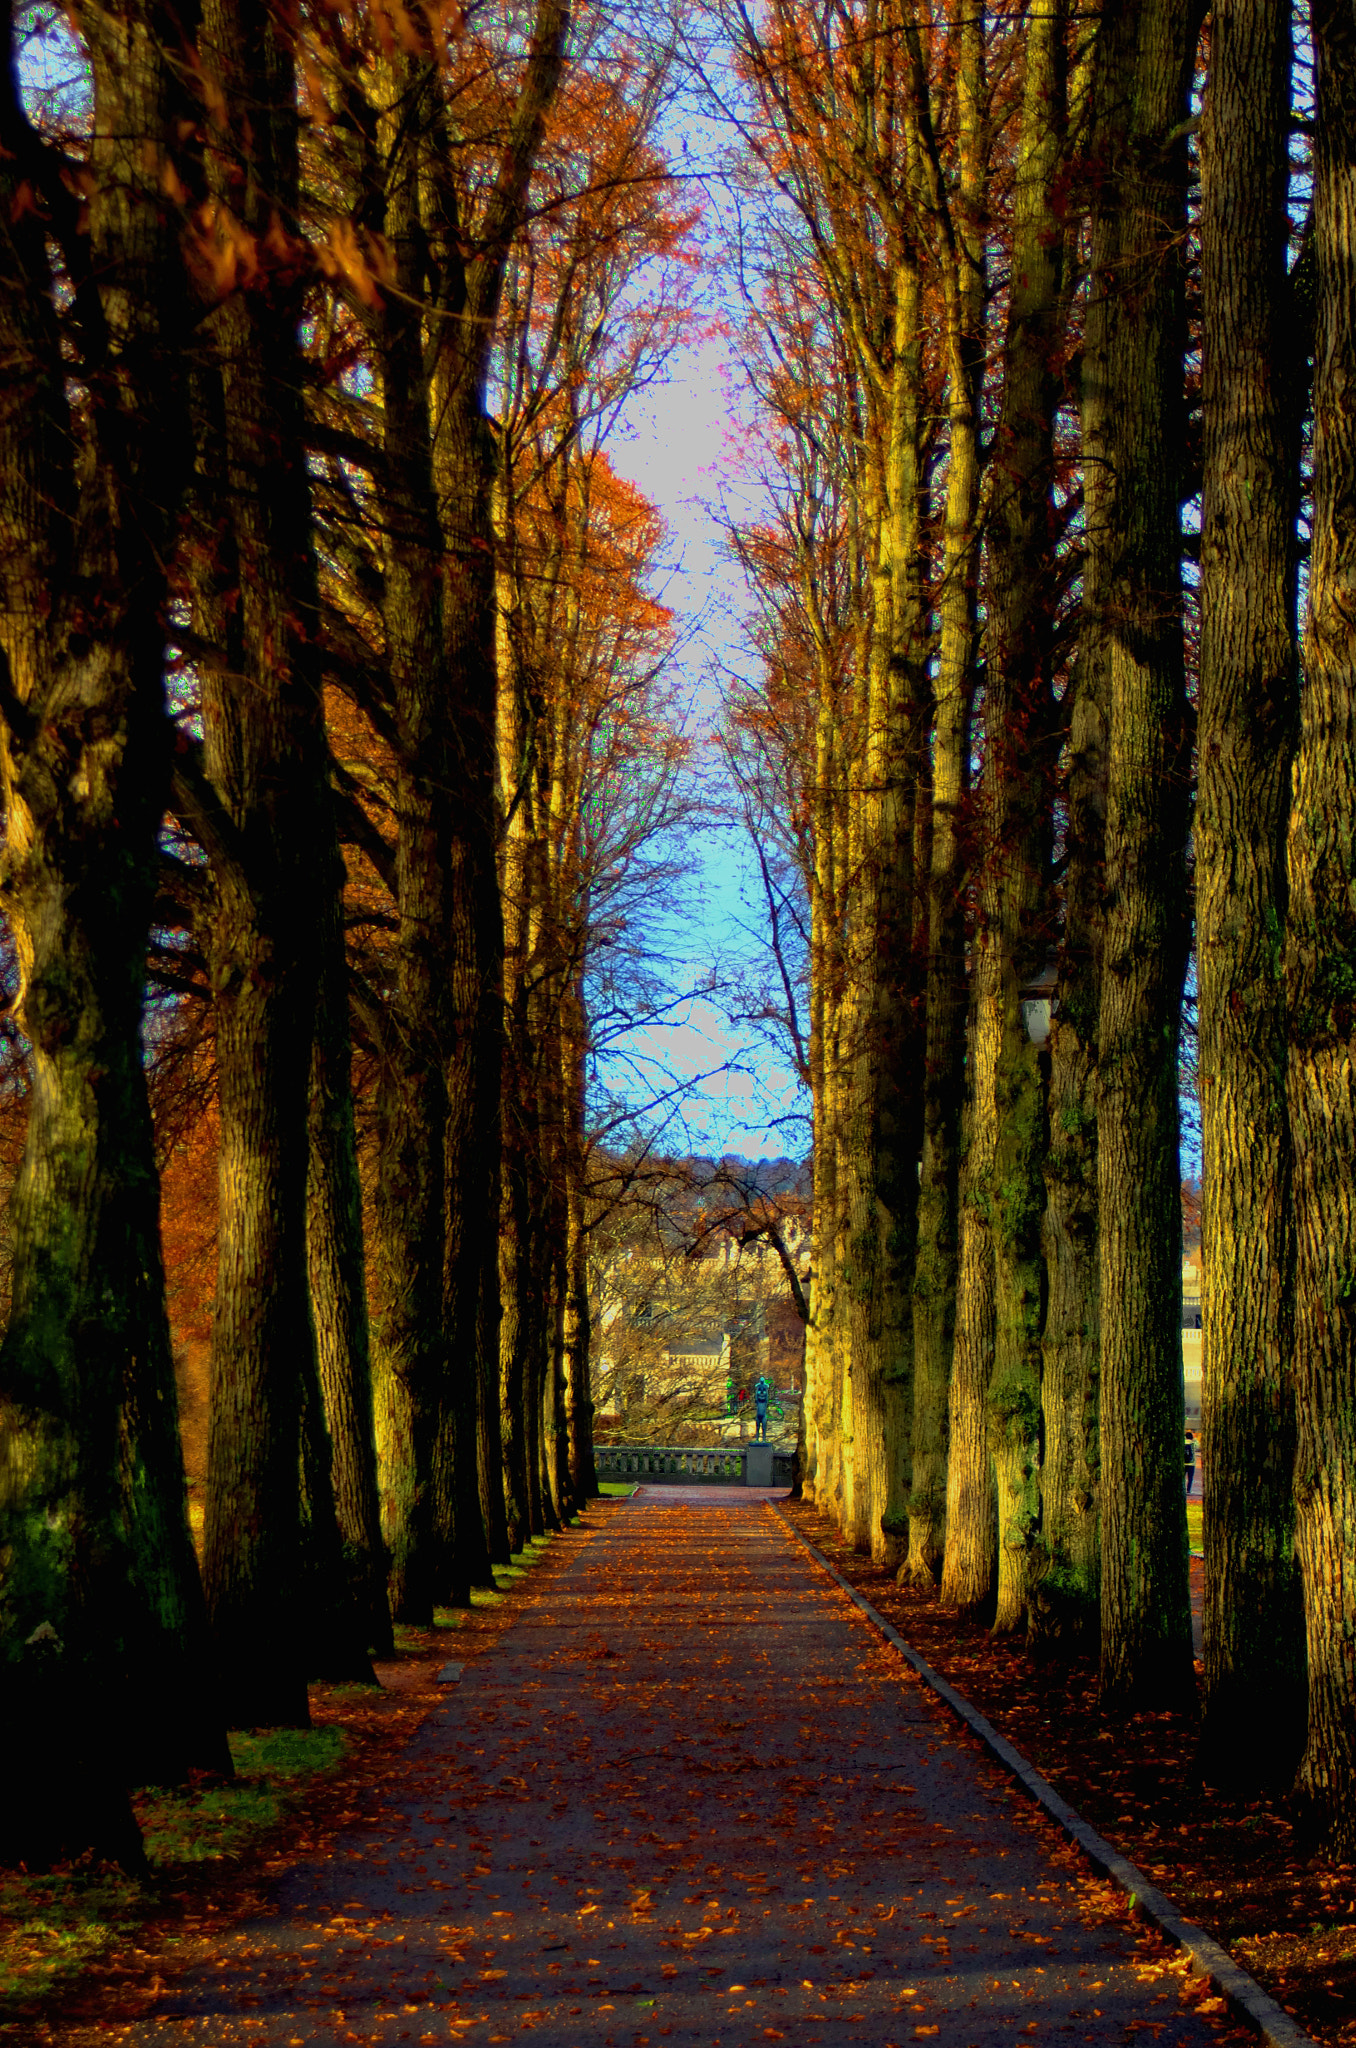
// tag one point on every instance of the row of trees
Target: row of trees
(335, 717)
(1051, 339)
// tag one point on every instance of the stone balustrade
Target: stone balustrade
(693, 1464)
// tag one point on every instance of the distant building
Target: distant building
(698, 1354)
(1192, 1341)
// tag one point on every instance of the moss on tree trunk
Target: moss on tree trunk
(1144, 80)
(1247, 720)
(1321, 983)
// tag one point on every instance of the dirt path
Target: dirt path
(687, 1795)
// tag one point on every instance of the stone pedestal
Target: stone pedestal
(758, 1465)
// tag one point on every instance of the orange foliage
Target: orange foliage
(188, 1226)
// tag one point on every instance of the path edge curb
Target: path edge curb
(1243, 1993)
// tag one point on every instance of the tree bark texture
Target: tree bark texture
(1018, 788)
(330, 1620)
(100, 1596)
(1321, 981)
(936, 1255)
(1144, 81)
(1068, 1600)
(825, 997)
(882, 1151)
(464, 461)
(259, 814)
(970, 1559)
(1254, 1702)
(408, 1250)
(515, 1222)
(337, 1263)
(578, 1332)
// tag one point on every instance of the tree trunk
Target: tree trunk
(260, 820)
(102, 1598)
(330, 1616)
(337, 1262)
(936, 1258)
(1067, 1599)
(1144, 94)
(578, 1328)
(834, 1485)
(883, 1144)
(490, 1464)
(1321, 982)
(513, 1288)
(466, 317)
(825, 995)
(1253, 1728)
(407, 1253)
(970, 1561)
(1067, 1602)
(1018, 774)
(557, 1228)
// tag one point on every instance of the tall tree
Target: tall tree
(257, 804)
(1143, 88)
(448, 205)
(337, 1265)
(409, 1353)
(1321, 978)
(843, 131)
(101, 1599)
(466, 311)
(934, 1283)
(970, 1555)
(1018, 784)
(1069, 1597)
(1246, 731)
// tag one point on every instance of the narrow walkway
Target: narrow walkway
(689, 1795)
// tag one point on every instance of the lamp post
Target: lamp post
(1039, 1003)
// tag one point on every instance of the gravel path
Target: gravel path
(688, 1795)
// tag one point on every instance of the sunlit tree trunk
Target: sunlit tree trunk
(825, 993)
(970, 1560)
(835, 1404)
(408, 1245)
(1247, 721)
(1067, 1601)
(1320, 968)
(489, 1451)
(261, 819)
(882, 1148)
(1018, 774)
(935, 1266)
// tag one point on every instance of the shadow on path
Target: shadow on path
(688, 1795)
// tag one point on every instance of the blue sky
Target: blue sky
(677, 449)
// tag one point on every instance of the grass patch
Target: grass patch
(619, 1488)
(53, 1926)
(184, 1827)
(1195, 1536)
